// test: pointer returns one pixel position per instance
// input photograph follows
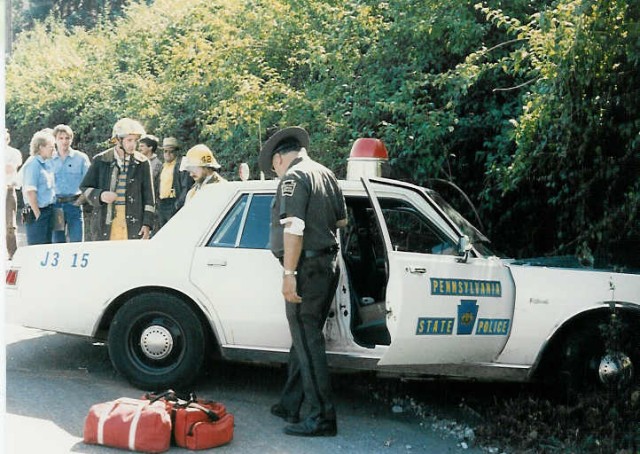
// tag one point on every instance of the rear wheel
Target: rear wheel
(157, 341)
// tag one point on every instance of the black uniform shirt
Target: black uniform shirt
(308, 191)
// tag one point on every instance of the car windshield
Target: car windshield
(480, 242)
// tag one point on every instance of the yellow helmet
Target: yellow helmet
(126, 126)
(199, 156)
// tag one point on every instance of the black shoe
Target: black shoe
(313, 427)
(281, 412)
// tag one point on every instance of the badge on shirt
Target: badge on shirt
(288, 187)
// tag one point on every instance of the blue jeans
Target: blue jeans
(73, 221)
(39, 231)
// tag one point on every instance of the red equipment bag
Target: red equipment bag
(202, 425)
(134, 424)
(197, 423)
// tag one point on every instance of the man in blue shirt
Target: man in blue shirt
(38, 189)
(69, 167)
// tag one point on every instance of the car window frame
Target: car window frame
(238, 198)
(423, 194)
(423, 218)
(224, 219)
(246, 216)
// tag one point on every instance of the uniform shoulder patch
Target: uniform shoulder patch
(288, 188)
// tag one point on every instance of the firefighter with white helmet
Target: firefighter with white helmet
(203, 167)
(119, 186)
(124, 127)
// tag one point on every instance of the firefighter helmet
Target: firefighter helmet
(199, 156)
(125, 127)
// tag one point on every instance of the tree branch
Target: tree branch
(506, 43)
(517, 86)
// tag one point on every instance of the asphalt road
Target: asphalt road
(53, 379)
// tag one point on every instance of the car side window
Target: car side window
(226, 234)
(246, 225)
(255, 234)
(410, 231)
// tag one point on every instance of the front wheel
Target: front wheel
(157, 341)
(590, 360)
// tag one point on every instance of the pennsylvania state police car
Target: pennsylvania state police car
(421, 294)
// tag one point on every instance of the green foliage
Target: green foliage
(576, 138)
(530, 106)
(73, 13)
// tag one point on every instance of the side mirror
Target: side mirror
(464, 246)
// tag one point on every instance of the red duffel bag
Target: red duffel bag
(134, 424)
(201, 424)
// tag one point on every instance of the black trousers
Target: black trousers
(308, 373)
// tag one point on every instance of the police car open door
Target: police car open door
(442, 308)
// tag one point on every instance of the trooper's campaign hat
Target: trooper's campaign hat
(287, 139)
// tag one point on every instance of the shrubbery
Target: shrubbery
(533, 109)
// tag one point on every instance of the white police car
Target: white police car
(420, 294)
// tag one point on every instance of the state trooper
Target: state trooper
(307, 211)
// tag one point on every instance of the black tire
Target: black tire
(173, 350)
(580, 357)
(582, 353)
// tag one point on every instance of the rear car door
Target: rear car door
(442, 308)
(238, 272)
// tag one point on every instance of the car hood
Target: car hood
(566, 262)
(561, 261)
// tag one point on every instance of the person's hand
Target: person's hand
(108, 197)
(289, 289)
(37, 214)
(144, 232)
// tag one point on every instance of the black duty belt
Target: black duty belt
(311, 253)
(68, 199)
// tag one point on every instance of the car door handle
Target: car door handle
(217, 262)
(417, 269)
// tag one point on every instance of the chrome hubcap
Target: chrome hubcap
(615, 369)
(156, 342)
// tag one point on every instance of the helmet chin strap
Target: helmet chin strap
(119, 148)
(120, 145)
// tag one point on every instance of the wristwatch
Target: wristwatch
(290, 272)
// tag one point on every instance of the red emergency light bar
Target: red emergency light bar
(367, 159)
(369, 148)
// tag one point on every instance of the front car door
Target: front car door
(442, 309)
